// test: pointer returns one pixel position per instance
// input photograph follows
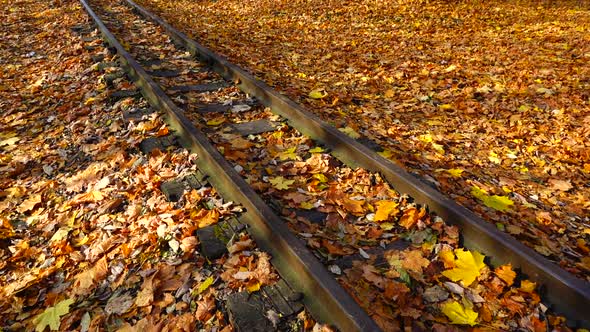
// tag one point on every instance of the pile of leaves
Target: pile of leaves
(87, 239)
(488, 101)
(405, 267)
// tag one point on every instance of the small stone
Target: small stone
(210, 246)
(335, 269)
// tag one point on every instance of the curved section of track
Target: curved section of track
(324, 296)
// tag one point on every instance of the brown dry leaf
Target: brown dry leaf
(263, 271)
(240, 246)
(188, 244)
(372, 275)
(205, 308)
(88, 197)
(353, 206)
(29, 203)
(415, 261)
(506, 273)
(88, 279)
(560, 185)
(334, 248)
(240, 143)
(145, 297)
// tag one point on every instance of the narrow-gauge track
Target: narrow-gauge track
(165, 86)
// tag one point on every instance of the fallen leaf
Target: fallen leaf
(506, 273)
(458, 314)
(350, 132)
(500, 203)
(560, 185)
(86, 280)
(281, 183)
(455, 172)
(468, 266)
(385, 209)
(52, 316)
(29, 203)
(205, 284)
(317, 94)
(288, 154)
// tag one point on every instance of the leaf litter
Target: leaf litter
(489, 94)
(81, 245)
(404, 266)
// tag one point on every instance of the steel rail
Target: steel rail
(566, 294)
(323, 296)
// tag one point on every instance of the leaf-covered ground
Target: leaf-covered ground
(488, 100)
(88, 240)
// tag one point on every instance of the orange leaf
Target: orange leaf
(506, 273)
(411, 217)
(385, 209)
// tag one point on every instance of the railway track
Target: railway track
(258, 148)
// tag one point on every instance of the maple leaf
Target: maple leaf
(411, 217)
(500, 203)
(205, 284)
(281, 183)
(387, 154)
(317, 94)
(560, 185)
(52, 316)
(458, 314)
(527, 286)
(385, 209)
(317, 149)
(350, 132)
(455, 172)
(240, 143)
(415, 261)
(87, 279)
(506, 273)
(288, 154)
(468, 265)
(29, 203)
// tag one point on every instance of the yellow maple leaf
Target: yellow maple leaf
(317, 149)
(317, 94)
(350, 132)
(527, 286)
(455, 172)
(467, 267)
(288, 154)
(458, 314)
(500, 203)
(52, 316)
(205, 284)
(386, 153)
(281, 183)
(251, 288)
(384, 210)
(216, 122)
